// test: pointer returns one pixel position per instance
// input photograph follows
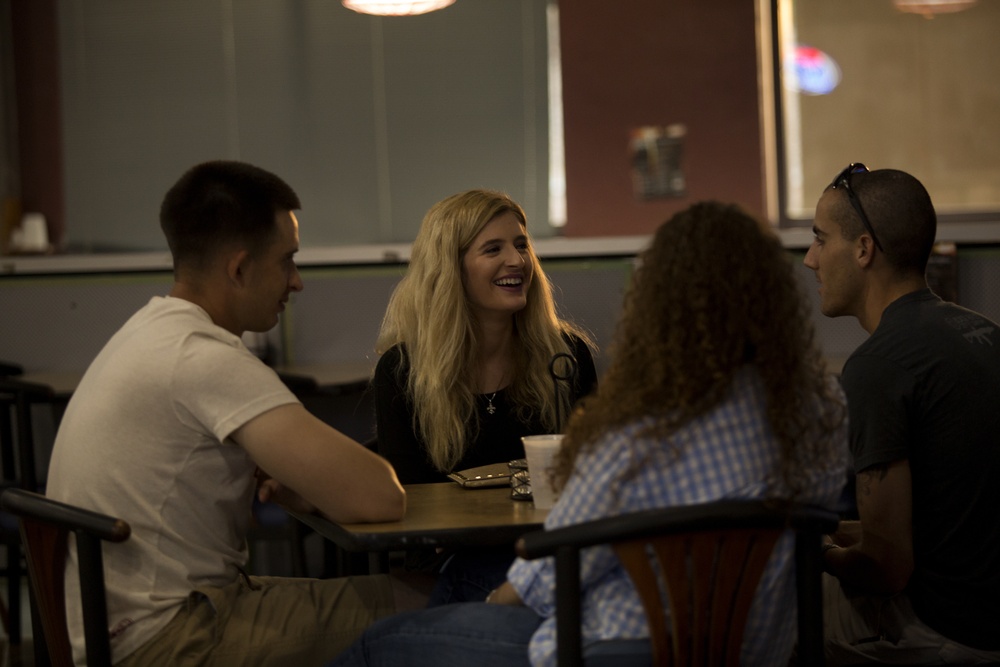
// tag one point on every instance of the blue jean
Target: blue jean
(470, 575)
(471, 633)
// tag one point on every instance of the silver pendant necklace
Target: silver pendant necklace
(490, 408)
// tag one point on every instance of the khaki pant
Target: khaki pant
(863, 629)
(268, 621)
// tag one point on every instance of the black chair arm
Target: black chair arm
(36, 506)
(47, 522)
(720, 515)
(8, 368)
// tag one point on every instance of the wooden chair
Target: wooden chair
(17, 462)
(45, 527)
(710, 558)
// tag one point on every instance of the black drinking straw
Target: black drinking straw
(569, 378)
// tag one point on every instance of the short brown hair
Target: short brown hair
(219, 203)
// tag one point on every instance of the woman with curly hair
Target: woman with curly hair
(715, 391)
(466, 343)
(715, 313)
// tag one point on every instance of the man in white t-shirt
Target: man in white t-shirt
(176, 425)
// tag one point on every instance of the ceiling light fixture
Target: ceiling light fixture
(396, 7)
(930, 8)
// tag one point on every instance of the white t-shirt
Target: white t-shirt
(145, 439)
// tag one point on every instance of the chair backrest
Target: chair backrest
(710, 559)
(17, 441)
(45, 526)
(711, 578)
(18, 460)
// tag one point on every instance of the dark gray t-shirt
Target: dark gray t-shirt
(926, 387)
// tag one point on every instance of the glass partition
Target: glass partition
(370, 119)
(905, 84)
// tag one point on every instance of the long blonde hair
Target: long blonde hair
(429, 314)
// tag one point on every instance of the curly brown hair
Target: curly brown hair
(714, 292)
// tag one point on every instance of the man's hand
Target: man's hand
(270, 490)
(848, 534)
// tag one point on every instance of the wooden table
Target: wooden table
(438, 515)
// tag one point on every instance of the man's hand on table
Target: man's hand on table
(270, 490)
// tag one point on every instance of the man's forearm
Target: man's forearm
(875, 554)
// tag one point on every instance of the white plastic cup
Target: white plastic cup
(539, 450)
(34, 233)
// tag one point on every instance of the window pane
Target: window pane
(909, 92)
(370, 119)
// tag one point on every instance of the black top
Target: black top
(499, 438)
(925, 387)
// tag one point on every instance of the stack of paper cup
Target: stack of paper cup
(32, 236)
(540, 450)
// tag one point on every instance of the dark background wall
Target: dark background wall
(651, 62)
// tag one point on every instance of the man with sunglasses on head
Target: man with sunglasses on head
(917, 579)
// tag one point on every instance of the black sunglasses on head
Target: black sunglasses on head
(843, 179)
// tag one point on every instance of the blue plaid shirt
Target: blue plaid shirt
(728, 453)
